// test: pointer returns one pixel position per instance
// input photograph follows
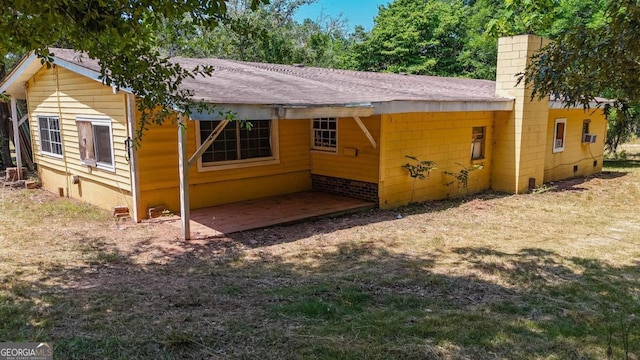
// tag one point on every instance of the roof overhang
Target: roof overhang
(255, 112)
(30, 65)
(13, 83)
(559, 104)
(395, 107)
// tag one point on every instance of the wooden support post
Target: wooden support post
(365, 131)
(207, 142)
(16, 136)
(185, 213)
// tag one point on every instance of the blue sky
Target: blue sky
(357, 12)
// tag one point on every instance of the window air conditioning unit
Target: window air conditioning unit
(589, 138)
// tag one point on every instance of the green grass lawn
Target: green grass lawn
(551, 275)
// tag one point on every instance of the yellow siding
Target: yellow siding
(341, 164)
(86, 190)
(65, 94)
(560, 165)
(158, 170)
(441, 137)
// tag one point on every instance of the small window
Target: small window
(559, 135)
(237, 143)
(50, 135)
(325, 134)
(585, 130)
(477, 143)
(95, 142)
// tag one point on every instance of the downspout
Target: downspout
(133, 155)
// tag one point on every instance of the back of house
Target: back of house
(345, 132)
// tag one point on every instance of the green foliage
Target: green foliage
(419, 168)
(268, 34)
(121, 35)
(623, 124)
(414, 36)
(543, 189)
(524, 17)
(462, 177)
(593, 57)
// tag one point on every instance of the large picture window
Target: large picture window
(95, 142)
(50, 136)
(559, 135)
(237, 143)
(325, 134)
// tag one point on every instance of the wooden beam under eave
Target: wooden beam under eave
(366, 132)
(209, 140)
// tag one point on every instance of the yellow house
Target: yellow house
(337, 131)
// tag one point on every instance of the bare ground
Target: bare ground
(539, 276)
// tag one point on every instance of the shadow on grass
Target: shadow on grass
(574, 184)
(622, 164)
(353, 301)
(278, 235)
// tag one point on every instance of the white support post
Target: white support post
(133, 155)
(185, 213)
(16, 136)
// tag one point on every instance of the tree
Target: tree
(593, 59)
(120, 34)
(415, 36)
(269, 34)
(6, 64)
(524, 17)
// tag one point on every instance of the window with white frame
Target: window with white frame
(237, 143)
(325, 134)
(95, 142)
(477, 142)
(50, 135)
(559, 135)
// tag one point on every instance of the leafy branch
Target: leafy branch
(462, 177)
(419, 169)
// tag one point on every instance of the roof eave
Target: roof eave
(31, 64)
(13, 83)
(559, 104)
(284, 111)
(395, 107)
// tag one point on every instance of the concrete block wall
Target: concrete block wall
(519, 153)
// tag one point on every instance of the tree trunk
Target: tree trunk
(5, 122)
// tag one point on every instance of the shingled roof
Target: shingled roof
(237, 82)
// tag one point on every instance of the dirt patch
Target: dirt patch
(481, 277)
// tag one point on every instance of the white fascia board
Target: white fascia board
(557, 104)
(13, 83)
(397, 107)
(289, 112)
(241, 112)
(30, 65)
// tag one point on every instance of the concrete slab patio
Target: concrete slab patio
(225, 219)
